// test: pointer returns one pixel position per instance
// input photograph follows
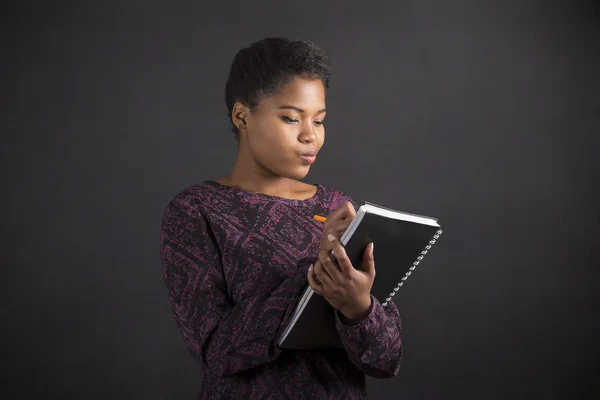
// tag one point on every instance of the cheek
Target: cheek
(272, 140)
(279, 136)
(269, 128)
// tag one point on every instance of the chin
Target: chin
(297, 174)
(298, 177)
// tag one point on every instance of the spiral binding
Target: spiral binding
(411, 269)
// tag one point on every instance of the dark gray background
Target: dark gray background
(484, 114)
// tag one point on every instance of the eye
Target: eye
(288, 119)
(319, 123)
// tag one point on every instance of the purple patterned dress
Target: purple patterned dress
(235, 263)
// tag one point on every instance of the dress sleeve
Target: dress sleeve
(374, 345)
(224, 337)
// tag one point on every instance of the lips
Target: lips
(309, 158)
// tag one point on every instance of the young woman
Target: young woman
(238, 251)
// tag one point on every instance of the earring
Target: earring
(240, 127)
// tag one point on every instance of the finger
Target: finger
(312, 280)
(314, 283)
(336, 225)
(345, 265)
(312, 276)
(336, 230)
(343, 212)
(330, 265)
(368, 266)
(321, 274)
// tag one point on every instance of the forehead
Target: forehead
(308, 94)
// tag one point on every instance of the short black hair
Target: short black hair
(265, 66)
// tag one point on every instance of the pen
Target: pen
(319, 218)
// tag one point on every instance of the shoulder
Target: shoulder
(190, 201)
(333, 198)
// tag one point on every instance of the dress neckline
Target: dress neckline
(263, 196)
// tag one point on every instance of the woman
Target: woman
(237, 251)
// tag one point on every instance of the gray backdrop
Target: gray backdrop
(484, 114)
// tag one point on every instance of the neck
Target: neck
(249, 175)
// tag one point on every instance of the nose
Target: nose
(307, 134)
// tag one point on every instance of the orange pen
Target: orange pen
(319, 218)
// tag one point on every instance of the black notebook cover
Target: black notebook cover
(399, 246)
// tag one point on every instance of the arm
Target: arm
(224, 337)
(374, 344)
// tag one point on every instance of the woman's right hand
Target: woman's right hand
(336, 224)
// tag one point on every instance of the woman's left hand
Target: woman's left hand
(347, 289)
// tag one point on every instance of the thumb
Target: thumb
(369, 260)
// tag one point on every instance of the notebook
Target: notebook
(401, 242)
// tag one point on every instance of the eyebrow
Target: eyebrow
(289, 107)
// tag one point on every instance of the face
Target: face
(286, 126)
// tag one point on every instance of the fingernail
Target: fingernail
(311, 267)
(372, 247)
(331, 238)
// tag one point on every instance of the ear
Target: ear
(239, 115)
